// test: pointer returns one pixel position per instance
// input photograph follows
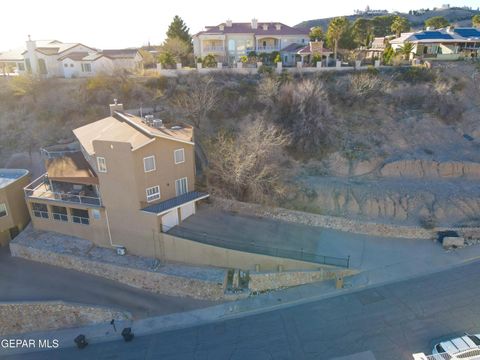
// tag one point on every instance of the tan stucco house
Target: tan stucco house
(14, 214)
(133, 179)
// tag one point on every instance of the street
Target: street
(388, 322)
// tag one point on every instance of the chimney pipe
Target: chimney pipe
(254, 23)
(115, 107)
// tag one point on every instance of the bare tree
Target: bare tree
(246, 166)
(200, 97)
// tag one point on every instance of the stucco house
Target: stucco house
(229, 41)
(132, 179)
(53, 58)
(442, 44)
(14, 214)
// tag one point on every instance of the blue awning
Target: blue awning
(175, 202)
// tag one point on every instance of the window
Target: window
(40, 210)
(28, 65)
(80, 216)
(59, 213)
(101, 164)
(71, 65)
(87, 67)
(3, 210)
(96, 214)
(66, 65)
(181, 186)
(21, 66)
(42, 67)
(153, 193)
(179, 156)
(149, 163)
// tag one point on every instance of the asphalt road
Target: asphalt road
(388, 322)
(23, 280)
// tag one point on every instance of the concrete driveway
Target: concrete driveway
(366, 252)
(23, 280)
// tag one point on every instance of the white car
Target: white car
(466, 347)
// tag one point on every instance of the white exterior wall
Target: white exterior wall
(102, 65)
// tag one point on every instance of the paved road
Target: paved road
(31, 281)
(388, 322)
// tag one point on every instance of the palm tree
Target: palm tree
(399, 25)
(336, 29)
(405, 50)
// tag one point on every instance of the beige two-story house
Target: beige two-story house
(133, 179)
(229, 41)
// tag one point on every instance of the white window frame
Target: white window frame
(101, 167)
(154, 163)
(178, 182)
(3, 207)
(182, 150)
(153, 197)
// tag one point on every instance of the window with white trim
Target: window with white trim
(149, 163)
(179, 156)
(181, 186)
(101, 164)
(87, 67)
(153, 193)
(3, 210)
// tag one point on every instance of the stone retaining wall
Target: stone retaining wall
(337, 223)
(259, 282)
(21, 317)
(149, 280)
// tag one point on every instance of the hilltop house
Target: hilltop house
(442, 44)
(230, 40)
(132, 179)
(53, 58)
(13, 210)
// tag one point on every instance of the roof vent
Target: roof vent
(148, 119)
(157, 123)
(176, 127)
(229, 23)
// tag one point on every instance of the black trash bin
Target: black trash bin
(81, 341)
(127, 334)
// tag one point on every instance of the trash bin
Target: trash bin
(81, 341)
(339, 282)
(127, 334)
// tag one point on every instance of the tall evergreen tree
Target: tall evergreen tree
(178, 29)
(336, 29)
(399, 25)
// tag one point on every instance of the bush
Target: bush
(209, 61)
(265, 70)
(167, 60)
(416, 74)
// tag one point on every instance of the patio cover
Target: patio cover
(71, 168)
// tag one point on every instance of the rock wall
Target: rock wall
(148, 280)
(431, 169)
(22, 317)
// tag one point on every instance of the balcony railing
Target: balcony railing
(41, 188)
(213, 49)
(268, 48)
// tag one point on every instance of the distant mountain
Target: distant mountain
(457, 16)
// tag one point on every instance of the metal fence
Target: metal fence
(252, 247)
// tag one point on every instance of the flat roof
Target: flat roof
(72, 168)
(165, 206)
(9, 176)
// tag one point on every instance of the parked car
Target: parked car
(466, 347)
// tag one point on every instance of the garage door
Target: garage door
(187, 210)
(169, 220)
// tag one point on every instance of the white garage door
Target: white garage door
(169, 220)
(187, 210)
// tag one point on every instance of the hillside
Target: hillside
(457, 16)
(400, 145)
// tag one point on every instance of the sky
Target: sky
(108, 24)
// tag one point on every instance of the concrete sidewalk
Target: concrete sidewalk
(263, 303)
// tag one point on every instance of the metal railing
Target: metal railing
(51, 154)
(469, 354)
(40, 188)
(268, 48)
(252, 247)
(213, 48)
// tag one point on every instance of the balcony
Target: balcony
(45, 189)
(213, 49)
(268, 48)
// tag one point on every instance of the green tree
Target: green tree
(436, 22)
(316, 34)
(399, 25)
(382, 25)
(209, 61)
(176, 47)
(337, 27)
(166, 59)
(362, 31)
(476, 20)
(405, 50)
(388, 54)
(178, 29)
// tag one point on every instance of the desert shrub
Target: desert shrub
(416, 74)
(209, 61)
(366, 84)
(246, 165)
(427, 222)
(265, 70)
(157, 82)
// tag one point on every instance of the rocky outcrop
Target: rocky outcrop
(431, 169)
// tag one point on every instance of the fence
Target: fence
(252, 247)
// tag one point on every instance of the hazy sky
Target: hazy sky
(121, 23)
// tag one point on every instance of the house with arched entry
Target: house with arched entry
(229, 41)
